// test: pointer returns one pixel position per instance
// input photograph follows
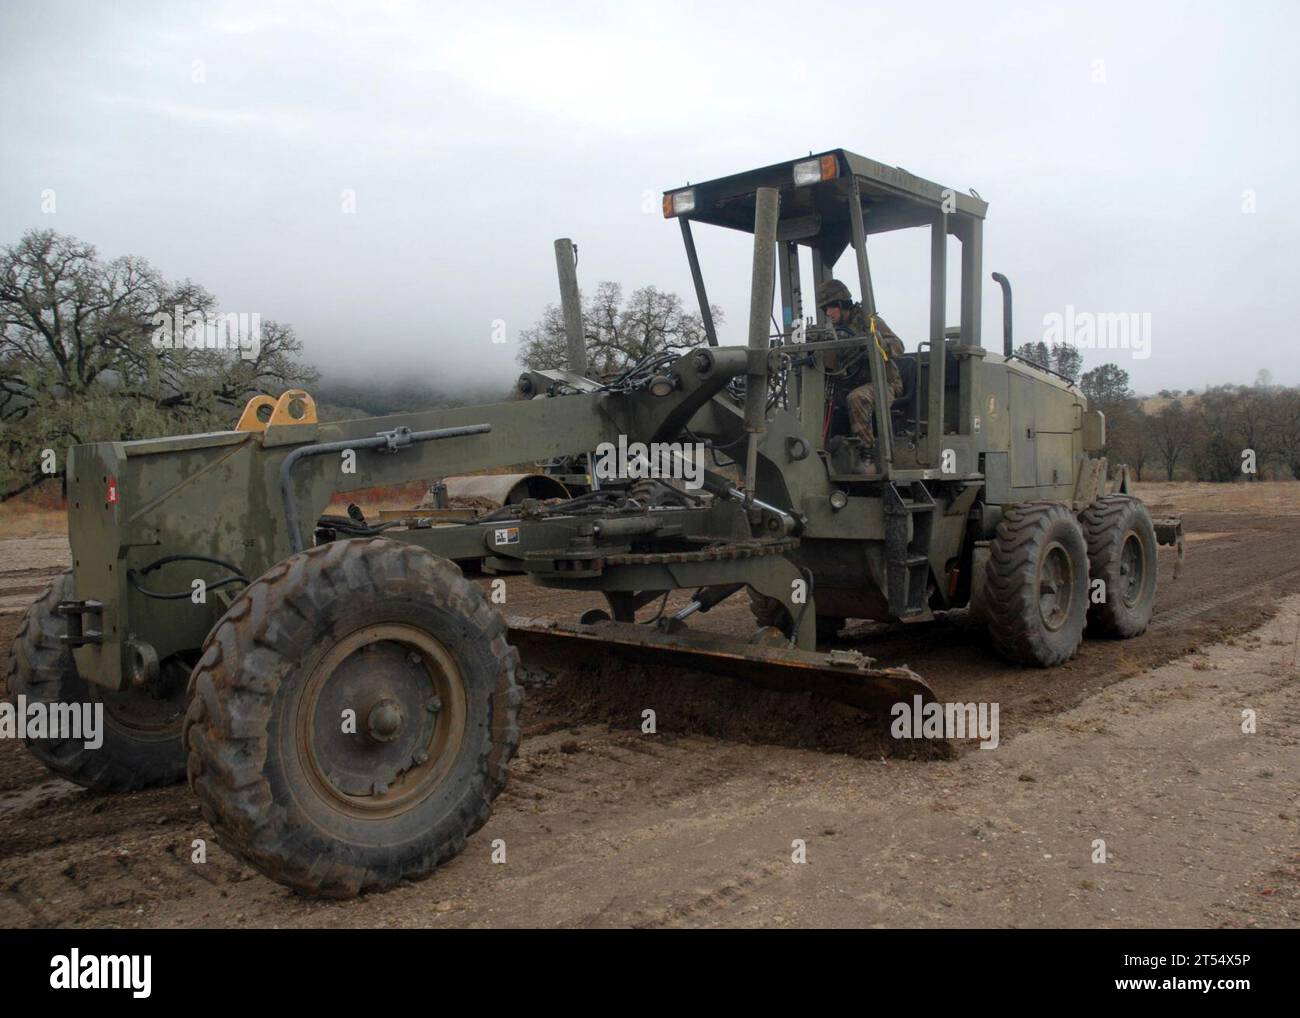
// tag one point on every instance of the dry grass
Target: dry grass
(1154, 404)
(32, 522)
(1261, 498)
(35, 513)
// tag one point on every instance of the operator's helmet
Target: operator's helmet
(832, 291)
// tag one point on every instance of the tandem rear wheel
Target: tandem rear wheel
(1122, 554)
(1036, 584)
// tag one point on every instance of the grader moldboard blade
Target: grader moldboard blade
(842, 675)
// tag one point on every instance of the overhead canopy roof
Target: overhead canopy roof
(818, 213)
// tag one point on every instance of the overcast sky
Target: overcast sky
(1121, 148)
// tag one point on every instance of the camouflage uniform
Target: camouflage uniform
(861, 398)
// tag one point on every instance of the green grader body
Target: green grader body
(345, 701)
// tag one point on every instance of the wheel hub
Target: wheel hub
(155, 710)
(1055, 587)
(384, 721)
(1131, 570)
(382, 716)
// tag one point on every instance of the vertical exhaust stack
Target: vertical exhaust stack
(767, 209)
(1002, 281)
(571, 303)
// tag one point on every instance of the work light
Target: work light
(679, 203)
(814, 171)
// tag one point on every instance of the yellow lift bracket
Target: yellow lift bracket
(293, 407)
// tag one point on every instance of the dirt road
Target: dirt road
(1137, 744)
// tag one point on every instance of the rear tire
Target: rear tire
(1037, 584)
(401, 639)
(142, 745)
(1122, 553)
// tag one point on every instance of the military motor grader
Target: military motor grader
(345, 701)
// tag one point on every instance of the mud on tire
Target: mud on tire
(1122, 553)
(1037, 584)
(401, 638)
(142, 745)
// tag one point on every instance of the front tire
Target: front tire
(354, 715)
(142, 743)
(1037, 584)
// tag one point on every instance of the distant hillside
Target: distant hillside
(1154, 404)
(340, 399)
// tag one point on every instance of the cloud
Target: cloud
(472, 137)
